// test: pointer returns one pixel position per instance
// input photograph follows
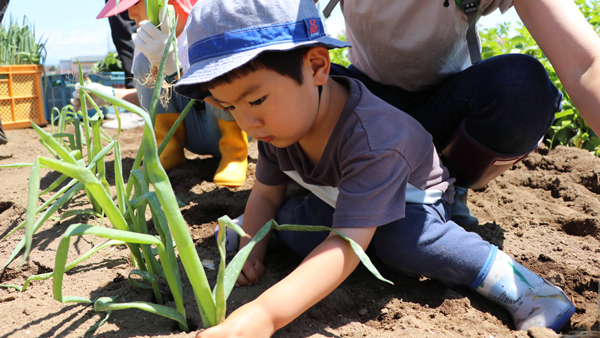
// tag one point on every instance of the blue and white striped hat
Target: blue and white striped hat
(223, 35)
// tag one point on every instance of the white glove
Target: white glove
(152, 42)
(75, 101)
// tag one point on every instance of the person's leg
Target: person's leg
(508, 103)
(3, 138)
(308, 210)
(172, 155)
(530, 299)
(3, 6)
(202, 130)
(233, 146)
(121, 27)
(483, 119)
(426, 243)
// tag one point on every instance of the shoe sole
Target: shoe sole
(564, 319)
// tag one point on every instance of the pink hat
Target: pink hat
(110, 10)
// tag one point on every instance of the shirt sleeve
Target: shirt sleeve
(267, 168)
(372, 190)
(487, 7)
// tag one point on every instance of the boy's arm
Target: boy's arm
(325, 268)
(261, 207)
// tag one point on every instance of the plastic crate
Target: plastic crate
(59, 93)
(112, 79)
(21, 99)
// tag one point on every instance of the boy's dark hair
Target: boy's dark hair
(285, 63)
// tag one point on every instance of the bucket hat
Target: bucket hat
(223, 35)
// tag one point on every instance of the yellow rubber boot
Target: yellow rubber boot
(234, 155)
(172, 156)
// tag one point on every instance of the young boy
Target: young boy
(373, 172)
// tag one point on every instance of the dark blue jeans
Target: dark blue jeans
(425, 242)
(508, 102)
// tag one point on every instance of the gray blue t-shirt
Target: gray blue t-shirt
(377, 159)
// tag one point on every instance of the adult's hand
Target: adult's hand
(76, 102)
(153, 41)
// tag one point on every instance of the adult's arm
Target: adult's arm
(129, 95)
(573, 48)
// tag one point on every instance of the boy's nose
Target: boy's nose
(253, 122)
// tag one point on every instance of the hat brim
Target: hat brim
(209, 69)
(110, 10)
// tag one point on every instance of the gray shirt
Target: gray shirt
(377, 159)
(411, 44)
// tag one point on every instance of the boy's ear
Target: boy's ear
(318, 58)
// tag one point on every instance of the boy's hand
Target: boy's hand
(249, 321)
(252, 270)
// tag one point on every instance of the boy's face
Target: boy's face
(271, 107)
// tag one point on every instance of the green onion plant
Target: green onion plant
(18, 45)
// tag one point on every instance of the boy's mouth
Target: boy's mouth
(266, 139)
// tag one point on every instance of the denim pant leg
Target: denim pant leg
(426, 243)
(202, 132)
(422, 243)
(508, 102)
(309, 210)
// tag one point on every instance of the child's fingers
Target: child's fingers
(250, 273)
(259, 269)
(251, 276)
(253, 270)
(242, 280)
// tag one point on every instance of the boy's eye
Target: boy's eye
(258, 102)
(230, 108)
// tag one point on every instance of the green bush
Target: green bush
(340, 55)
(111, 63)
(569, 128)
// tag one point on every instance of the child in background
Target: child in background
(205, 130)
(373, 171)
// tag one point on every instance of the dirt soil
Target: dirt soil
(545, 211)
